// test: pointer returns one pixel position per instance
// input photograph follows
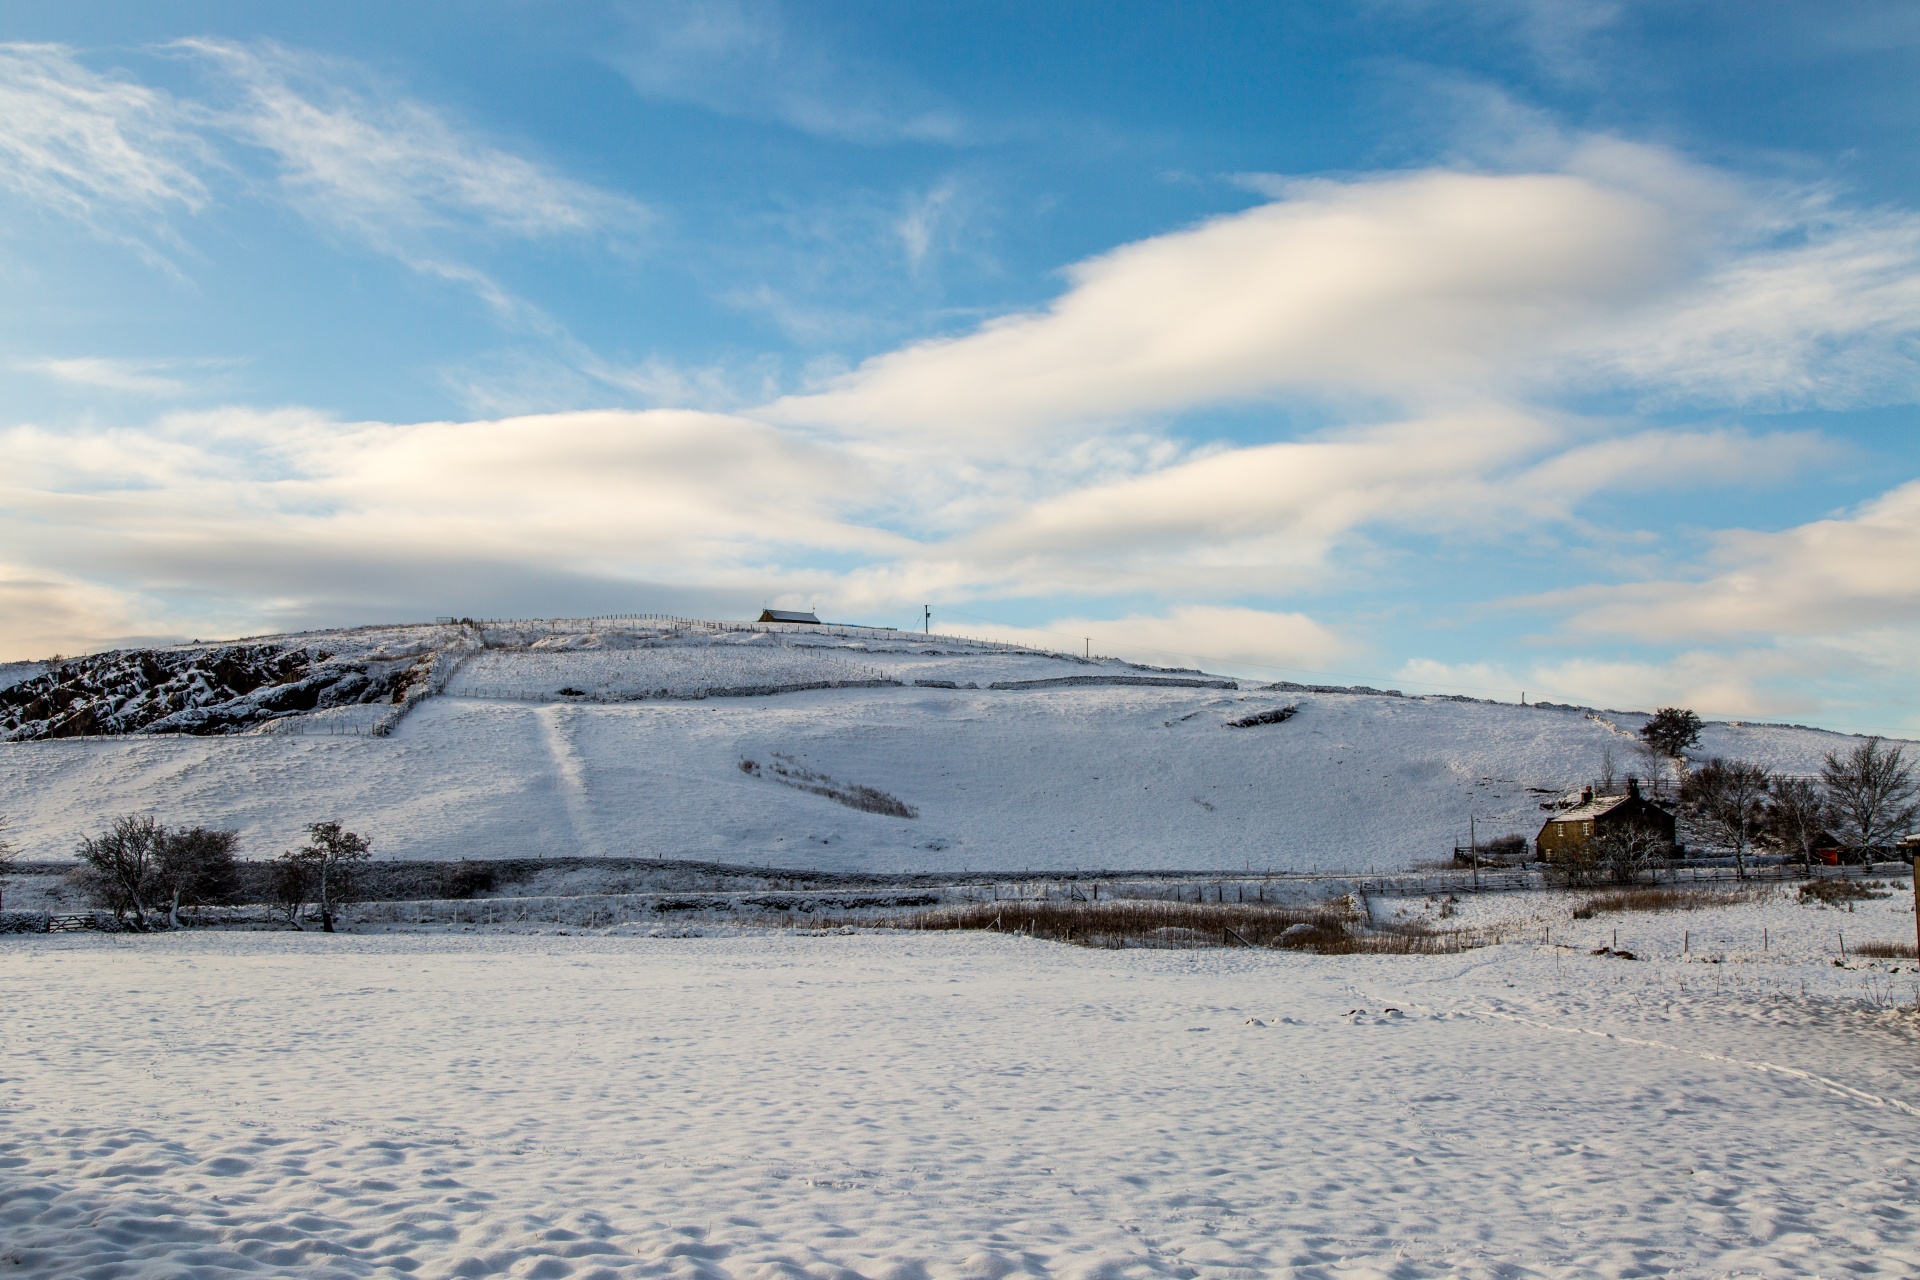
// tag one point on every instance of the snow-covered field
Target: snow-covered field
(1020, 777)
(937, 1106)
(12, 673)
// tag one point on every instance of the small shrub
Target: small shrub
(465, 878)
(1885, 950)
(1832, 893)
(1277, 715)
(855, 796)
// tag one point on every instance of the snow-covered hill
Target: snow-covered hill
(802, 747)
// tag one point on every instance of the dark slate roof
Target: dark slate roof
(1590, 810)
(787, 615)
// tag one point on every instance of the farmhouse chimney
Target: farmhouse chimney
(1586, 795)
(1633, 788)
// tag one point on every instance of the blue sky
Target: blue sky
(1562, 347)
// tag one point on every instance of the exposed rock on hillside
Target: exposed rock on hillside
(205, 690)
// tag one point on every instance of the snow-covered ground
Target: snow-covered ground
(965, 1106)
(1108, 775)
(12, 673)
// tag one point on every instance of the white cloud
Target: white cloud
(114, 155)
(365, 162)
(1743, 683)
(1830, 319)
(1826, 578)
(1271, 518)
(43, 613)
(1427, 287)
(1262, 518)
(742, 59)
(221, 504)
(136, 377)
(1626, 269)
(393, 172)
(1669, 459)
(518, 383)
(1228, 640)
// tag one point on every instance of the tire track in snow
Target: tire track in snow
(1835, 1086)
(1752, 1064)
(570, 775)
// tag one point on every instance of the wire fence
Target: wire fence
(673, 622)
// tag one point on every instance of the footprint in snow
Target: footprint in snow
(1389, 1014)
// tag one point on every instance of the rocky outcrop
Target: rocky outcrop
(215, 689)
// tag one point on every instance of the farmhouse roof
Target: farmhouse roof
(787, 615)
(1592, 806)
(1589, 809)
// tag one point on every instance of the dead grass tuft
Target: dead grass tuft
(1885, 950)
(1188, 925)
(1666, 899)
(1830, 893)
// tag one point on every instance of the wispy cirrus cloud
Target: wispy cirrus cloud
(135, 377)
(353, 155)
(368, 160)
(104, 150)
(742, 58)
(393, 173)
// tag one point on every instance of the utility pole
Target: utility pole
(1473, 843)
(928, 610)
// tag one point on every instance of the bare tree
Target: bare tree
(121, 865)
(194, 866)
(1871, 791)
(293, 884)
(331, 856)
(1671, 731)
(1729, 799)
(1622, 853)
(1655, 766)
(1607, 765)
(1796, 815)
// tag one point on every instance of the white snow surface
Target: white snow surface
(1101, 776)
(958, 1107)
(12, 673)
